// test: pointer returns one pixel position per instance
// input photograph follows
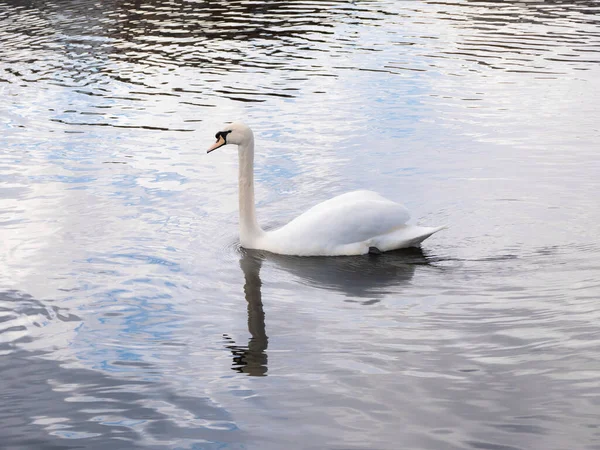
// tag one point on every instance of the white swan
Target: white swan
(349, 224)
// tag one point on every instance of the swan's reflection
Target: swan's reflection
(360, 278)
(252, 359)
(363, 279)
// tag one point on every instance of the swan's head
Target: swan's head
(234, 133)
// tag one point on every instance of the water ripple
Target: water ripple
(130, 317)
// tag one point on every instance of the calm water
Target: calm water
(130, 317)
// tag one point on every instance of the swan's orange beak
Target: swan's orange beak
(220, 143)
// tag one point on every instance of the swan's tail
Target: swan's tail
(422, 233)
(405, 236)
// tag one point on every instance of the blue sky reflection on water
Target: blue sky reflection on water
(131, 319)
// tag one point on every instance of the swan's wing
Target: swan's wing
(345, 219)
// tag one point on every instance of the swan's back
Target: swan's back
(343, 221)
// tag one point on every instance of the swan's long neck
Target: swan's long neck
(249, 228)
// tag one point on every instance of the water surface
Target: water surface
(131, 318)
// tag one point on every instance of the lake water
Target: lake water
(131, 318)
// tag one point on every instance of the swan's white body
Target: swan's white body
(349, 224)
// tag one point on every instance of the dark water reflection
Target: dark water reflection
(125, 302)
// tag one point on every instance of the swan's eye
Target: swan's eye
(222, 134)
